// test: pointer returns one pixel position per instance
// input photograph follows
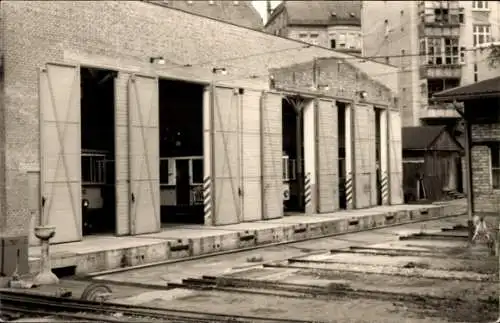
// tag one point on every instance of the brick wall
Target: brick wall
(341, 76)
(344, 80)
(485, 198)
(121, 36)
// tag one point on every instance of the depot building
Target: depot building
(119, 117)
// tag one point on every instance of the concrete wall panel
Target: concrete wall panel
(327, 150)
(395, 157)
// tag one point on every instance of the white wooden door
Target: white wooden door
(144, 154)
(395, 158)
(272, 154)
(373, 157)
(251, 156)
(362, 155)
(60, 147)
(327, 150)
(226, 156)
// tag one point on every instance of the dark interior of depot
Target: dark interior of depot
(181, 152)
(98, 151)
(293, 177)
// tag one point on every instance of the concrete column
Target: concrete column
(349, 156)
(384, 157)
(309, 132)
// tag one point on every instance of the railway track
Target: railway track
(91, 311)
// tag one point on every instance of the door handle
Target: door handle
(43, 201)
(132, 198)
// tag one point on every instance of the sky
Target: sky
(260, 5)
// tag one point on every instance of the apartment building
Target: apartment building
(437, 44)
(331, 24)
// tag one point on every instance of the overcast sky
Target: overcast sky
(260, 5)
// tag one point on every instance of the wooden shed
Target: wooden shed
(431, 164)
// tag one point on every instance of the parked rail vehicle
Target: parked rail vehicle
(95, 184)
(181, 188)
(289, 177)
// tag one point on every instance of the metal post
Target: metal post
(298, 144)
(470, 197)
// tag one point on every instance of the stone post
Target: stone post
(45, 276)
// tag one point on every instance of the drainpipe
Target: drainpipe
(470, 193)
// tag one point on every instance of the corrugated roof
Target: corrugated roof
(321, 12)
(241, 13)
(486, 88)
(420, 137)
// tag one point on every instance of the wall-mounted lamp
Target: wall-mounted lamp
(320, 87)
(219, 70)
(157, 60)
(362, 94)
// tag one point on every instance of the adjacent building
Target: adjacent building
(437, 44)
(330, 24)
(480, 104)
(241, 13)
(113, 112)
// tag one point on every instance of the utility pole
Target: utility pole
(460, 108)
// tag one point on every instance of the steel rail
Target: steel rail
(55, 305)
(257, 247)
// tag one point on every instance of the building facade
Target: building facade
(330, 24)
(437, 45)
(480, 103)
(146, 69)
(241, 13)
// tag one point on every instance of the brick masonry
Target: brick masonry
(123, 36)
(486, 199)
(344, 81)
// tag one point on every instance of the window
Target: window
(462, 55)
(387, 60)
(302, 35)
(480, 4)
(461, 16)
(351, 40)
(434, 51)
(440, 51)
(167, 171)
(197, 171)
(332, 43)
(495, 165)
(480, 34)
(314, 39)
(341, 42)
(476, 76)
(451, 51)
(441, 15)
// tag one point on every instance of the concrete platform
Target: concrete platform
(99, 253)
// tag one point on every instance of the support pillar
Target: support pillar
(349, 156)
(384, 156)
(45, 276)
(310, 157)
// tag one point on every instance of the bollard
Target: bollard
(308, 194)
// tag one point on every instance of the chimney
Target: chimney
(269, 9)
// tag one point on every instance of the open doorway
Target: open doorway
(378, 154)
(98, 151)
(342, 154)
(293, 153)
(181, 152)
